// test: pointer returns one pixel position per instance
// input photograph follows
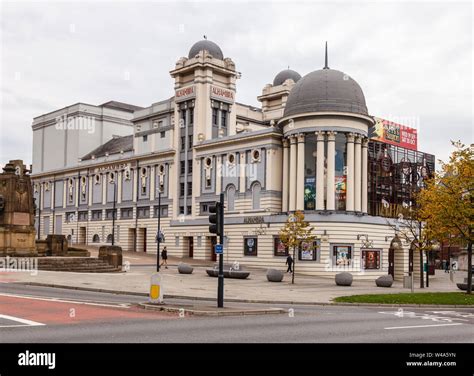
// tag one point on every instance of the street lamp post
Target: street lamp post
(112, 181)
(158, 236)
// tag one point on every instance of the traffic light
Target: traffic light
(216, 219)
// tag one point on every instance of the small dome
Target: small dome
(207, 45)
(284, 75)
(326, 90)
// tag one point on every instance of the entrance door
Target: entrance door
(141, 240)
(131, 246)
(213, 243)
(190, 246)
(391, 262)
(82, 235)
(410, 261)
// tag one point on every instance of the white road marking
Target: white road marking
(422, 326)
(59, 300)
(25, 322)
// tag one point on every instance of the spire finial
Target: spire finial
(205, 37)
(288, 67)
(326, 57)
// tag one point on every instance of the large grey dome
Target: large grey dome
(326, 90)
(285, 75)
(207, 45)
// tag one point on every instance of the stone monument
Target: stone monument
(17, 230)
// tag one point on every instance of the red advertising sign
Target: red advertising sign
(394, 134)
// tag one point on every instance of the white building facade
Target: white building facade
(307, 148)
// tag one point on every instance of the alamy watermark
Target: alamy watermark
(19, 264)
(78, 123)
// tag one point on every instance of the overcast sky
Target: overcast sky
(413, 61)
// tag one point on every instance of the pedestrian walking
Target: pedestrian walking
(164, 257)
(289, 262)
(446, 267)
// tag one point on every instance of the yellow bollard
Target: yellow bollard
(156, 290)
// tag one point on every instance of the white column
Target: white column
(242, 167)
(292, 198)
(218, 175)
(300, 174)
(365, 167)
(76, 192)
(152, 182)
(104, 189)
(357, 174)
(119, 188)
(89, 189)
(320, 170)
(42, 195)
(330, 174)
(53, 195)
(286, 151)
(65, 191)
(135, 181)
(350, 172)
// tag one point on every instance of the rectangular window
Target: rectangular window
(70, 217)
(162, 134)
(110, 212)
(191, 116)
(126, 213)
(279, 248)
(188, 210)
(83, 216)
(143, 212)
(214, 116)
(96, 215)
(181, 189)
(341, 254)
(371, 258)
(250, 246)
(190, 141)
(183, 116)
(205, 207)
(308, 252)
(164, 211)
(145, 138)
(182, 167)
(190, 166)
(190, 188)
(223, 119)
(181, 210)
(183, 143)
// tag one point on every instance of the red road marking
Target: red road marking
(52, 312)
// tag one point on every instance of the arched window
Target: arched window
(95, 239)
(109, 238)
(230, 198)
(256, 188)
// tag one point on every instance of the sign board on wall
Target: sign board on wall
(394, 134)
(185, 93)
(111, 167)
(222, 94)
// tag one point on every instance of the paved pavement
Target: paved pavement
(307, 289)
(38, 314)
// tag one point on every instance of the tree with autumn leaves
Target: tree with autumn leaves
(447, 202)
(296, 232)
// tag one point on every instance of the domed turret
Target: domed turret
(208, 46)
(284, 75)
(326, 90)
